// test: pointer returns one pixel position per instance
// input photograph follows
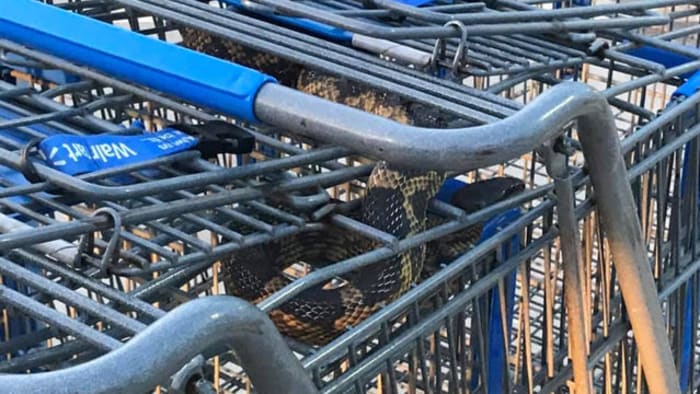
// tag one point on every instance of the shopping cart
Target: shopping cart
(395, 349)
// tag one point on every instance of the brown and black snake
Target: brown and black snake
(396, 202)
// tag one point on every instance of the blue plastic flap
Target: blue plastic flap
(73, 154)
(666, 58)
(690, 87)
(171, 69)
(415, 3)
(496, 358)
(323, 30)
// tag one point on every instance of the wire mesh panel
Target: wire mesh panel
(147, 237)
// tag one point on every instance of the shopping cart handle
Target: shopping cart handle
(323, 30)
(160, 350)
(163, 66)
(690, 87)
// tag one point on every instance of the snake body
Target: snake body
(396, 202)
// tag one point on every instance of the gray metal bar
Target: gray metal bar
(70, 297)
(658, 42)
(58, 249)
(142, 214)
(193, 328)
(619, 220)
(439, 149)
(98, 192)
(573, 267)
(525, 16)
(359, 26)
(98, 287)
(42, 312)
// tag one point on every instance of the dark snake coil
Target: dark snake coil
(396, 202)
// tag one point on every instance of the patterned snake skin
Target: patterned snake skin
(396, 202)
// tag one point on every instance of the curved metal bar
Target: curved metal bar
(153, 355)
(439, 149)
(464, 149)
(93, 191)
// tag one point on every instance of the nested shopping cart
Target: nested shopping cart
(101, 257)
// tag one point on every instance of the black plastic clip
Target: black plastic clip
(26, 166)
(217, 137)
(598, 48)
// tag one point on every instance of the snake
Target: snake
(396, 202)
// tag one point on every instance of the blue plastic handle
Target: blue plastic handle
(669, 60)
(664, 57)
(416, 3)
(690, 87)
(323, 30)
(162, 66)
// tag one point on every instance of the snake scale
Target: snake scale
(396, 202)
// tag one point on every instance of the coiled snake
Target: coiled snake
(396, 202)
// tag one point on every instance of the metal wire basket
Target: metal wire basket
(163, 220)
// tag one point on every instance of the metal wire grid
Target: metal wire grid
(33, 112)
(156, 19)
(435, 35)
(529, 302)
(629, 115)
(31, 104)
(168, 239)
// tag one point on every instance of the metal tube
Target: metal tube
(97, 192)
(524, 16)
(59, 249)
(371, 29)
(193, 328)
(438, 149)
(618, 217)
(70, 297)
(573, 267)
(139, 215)
(57, 319)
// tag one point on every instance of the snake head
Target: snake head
(481, 194)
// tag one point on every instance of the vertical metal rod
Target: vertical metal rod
(620, 223)
(572, 263)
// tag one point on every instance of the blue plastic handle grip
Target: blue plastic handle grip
(664, 57)
(165, 67)
(416, 3)
(323, 30)
(690, 87)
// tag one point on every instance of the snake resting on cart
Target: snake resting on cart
(396, 202)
